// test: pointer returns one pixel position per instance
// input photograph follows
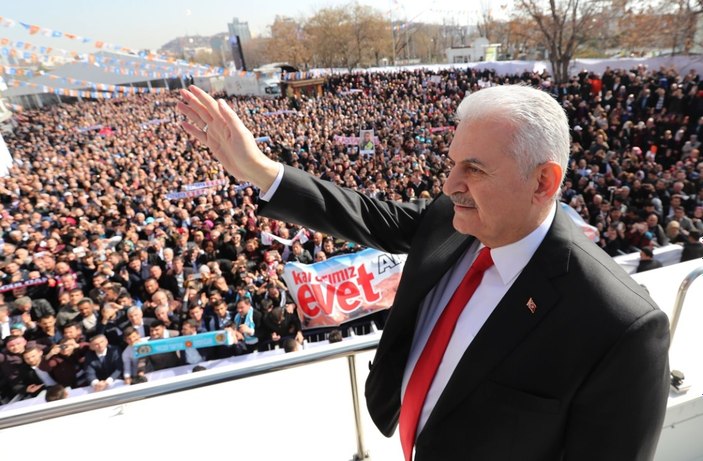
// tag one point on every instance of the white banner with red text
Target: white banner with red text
(345, 287)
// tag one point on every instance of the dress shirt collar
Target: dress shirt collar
(510, 259)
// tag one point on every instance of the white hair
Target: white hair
(540, 126)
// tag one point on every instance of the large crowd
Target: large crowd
(96, 258)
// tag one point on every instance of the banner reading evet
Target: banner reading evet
(345, 287)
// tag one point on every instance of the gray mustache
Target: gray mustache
(462, 200)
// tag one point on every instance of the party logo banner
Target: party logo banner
(345, 287)
(180, 343)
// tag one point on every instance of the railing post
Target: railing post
(361, 452)
(680, 296)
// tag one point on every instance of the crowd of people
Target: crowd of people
(96, 257)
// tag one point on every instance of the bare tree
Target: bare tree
(487, 25)
(679, 21)
(330, 34)
(370, 33)
(348, 36)
(564, 25)
(288, 43)
(256, 52)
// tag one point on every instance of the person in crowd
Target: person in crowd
(88, 317)
(335, 336)
(315, 244)
(10, 363)
(103, 363)
(169, 319)
(693, 248)
(34, 374)
(647, 261)
(74, 331)
(192, 355)
(111, 317)
(276, 293)
(47, 333)
(278, 325)
(131, 365)
(656, 230)
(163, 360)
(291, 345)
(164, 280)
(674, 233)
(67, 362)
(223, 314)
(136, 319)
(205, 322)
(69, 311)
(56, 392)
(246, 321)
(299, 254)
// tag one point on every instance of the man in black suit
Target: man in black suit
(103, 363)
(314, 245)
(33, 376)
(166, 359)
(647, 261)
(692, 248)
(558, 353)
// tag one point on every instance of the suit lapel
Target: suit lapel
(435, 249)
(438, 248)
(512, 320)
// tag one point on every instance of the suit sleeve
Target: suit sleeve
(19, 384)
(619, 411)
(91, 373)
(303, 199)
(117, 364)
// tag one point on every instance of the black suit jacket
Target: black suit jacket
(584, 377)
(691, 250)
(27, 376)
(109, 367)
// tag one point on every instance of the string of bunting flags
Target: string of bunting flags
(84, 93)
(94, 86)
(129, 68)
(28, 51)
(298, 75)
(34, 29)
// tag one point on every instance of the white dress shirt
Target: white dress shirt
(509, 261)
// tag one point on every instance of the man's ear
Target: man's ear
(548, 177)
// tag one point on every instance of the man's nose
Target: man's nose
(451, 185)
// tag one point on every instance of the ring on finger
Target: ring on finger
(204, 129)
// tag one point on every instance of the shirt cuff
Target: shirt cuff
(274, 187)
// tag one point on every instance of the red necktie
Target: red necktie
(426, 367)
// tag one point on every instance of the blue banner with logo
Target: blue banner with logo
(180, 343)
